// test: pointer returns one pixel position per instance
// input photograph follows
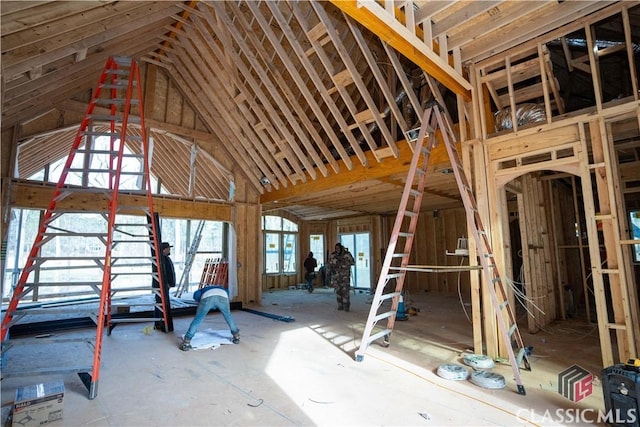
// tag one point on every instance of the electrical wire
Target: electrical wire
(460, 294)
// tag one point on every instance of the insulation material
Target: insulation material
(525, 114)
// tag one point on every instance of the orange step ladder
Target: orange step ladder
(118, 253)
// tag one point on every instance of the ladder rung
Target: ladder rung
(127, 224)
(402, 255)
(405, 234)
(394, 275)
(46, 339)
(115, 274)
(148, 289)
(91, 170)
(68, 258)
(521, 354)
(118, 101)
(137, 304)
(415, 193)
(124, 61)
(410, 214)
(512, 329)
(118, 71)
(120, 84)
(108, 152)
(380, 334)
(54, 311)
(106, 117)
(383, 316)
(117, 118)
(65, 283)
(135, 319)
(389, 296)
(44, 371)
(108, 134)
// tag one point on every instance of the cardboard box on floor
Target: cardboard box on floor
(38, 404)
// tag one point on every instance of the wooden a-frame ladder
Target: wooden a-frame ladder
(396, 262)
(111, 253)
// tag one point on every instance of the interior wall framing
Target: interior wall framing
(568, 147)
(562, 142)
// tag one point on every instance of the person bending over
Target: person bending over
(208, 298)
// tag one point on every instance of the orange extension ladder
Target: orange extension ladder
(97, 169)
(396, 264)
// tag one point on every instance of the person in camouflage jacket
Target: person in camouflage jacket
(340, 264)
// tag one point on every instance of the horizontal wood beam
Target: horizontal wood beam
(156, 125)
(425, 58)
(38, 196)
(373, 170)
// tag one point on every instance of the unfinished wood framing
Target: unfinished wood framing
(301, 109)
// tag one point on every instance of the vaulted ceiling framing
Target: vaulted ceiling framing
(310, 103)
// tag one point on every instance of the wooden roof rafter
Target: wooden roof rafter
(338, 84)
(311, 103)
(373, 111)
(391, 30)
(333, 110)
(267, 106)
(220, 117)
(307, 146)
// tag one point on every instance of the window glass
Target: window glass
(272, 253)
(272, 222)
(289, 253)
(634, 221)
(23, 228)
(316, 245)
(280, 245)
(289, 225)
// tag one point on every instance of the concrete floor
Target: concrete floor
(303, 373)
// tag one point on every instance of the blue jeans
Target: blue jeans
(204, 306)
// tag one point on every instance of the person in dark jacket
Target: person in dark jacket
(208, 298)
(168, 271)
(310, 265)
(169, 281)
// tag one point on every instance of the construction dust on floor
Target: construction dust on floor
(295, 366)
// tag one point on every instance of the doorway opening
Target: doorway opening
(360, 247)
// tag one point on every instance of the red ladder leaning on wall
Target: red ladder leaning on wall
(396, 264)
(95, 171)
